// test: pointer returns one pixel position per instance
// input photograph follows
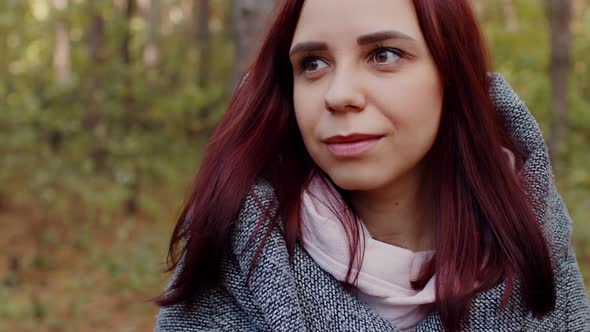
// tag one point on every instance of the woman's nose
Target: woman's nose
(344, 93)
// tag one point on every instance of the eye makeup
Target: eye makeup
(304, 60)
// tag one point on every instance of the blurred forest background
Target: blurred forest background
(106, 106)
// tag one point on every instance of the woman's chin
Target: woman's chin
(355, 182)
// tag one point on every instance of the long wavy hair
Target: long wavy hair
(486, 231)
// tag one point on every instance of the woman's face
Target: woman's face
(367, 95)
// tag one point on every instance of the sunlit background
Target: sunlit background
(106, 107)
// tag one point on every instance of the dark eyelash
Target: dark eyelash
(304, 59)
(383, 47)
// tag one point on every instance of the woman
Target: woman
(370, 175)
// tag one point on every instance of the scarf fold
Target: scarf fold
(386, 270)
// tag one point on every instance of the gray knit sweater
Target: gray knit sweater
(302, 297)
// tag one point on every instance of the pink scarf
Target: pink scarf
(386, 271)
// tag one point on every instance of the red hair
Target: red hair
(482, 214)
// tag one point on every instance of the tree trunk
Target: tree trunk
(92, 117)
(95, 37)
(477, 6)
(250, 17)
(131, 205)
(560, 18)
(130, 6)
(61, 64)
(151, 14)
(579, 10)
(61, 52)
(203, 40)
(512, 23)
(202, 37)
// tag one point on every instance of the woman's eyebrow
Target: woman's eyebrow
(308, 47)
(370, 38)
(381, 36)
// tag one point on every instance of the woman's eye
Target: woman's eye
(385, 56)
(311, 65)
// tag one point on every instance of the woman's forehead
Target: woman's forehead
(329, 19)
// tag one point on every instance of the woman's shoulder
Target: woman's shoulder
(259, 201)
(215, 309)
(262, 191)
(257, 214)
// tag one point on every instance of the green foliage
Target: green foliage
(117, 130)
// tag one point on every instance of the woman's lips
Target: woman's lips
(351, 145)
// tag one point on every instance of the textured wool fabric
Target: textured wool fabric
(303, 297)
(384, 287)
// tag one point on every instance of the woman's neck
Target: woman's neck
(401, 213)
